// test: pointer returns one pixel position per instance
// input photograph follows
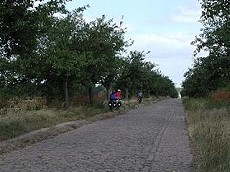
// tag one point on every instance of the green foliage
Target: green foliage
(44, 55)
(23, 30)
(207, 75)
(134, 73)
(165, 87)
(212, 72)
(17, 24)
(138, 74)
(103, 42)
(215, 19)
(21, 23)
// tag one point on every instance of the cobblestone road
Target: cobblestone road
(148, 139)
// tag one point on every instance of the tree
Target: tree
(21, 27)
(131, 74)
(216, 21)
(211, 73)
(102, 43)
(20, 24)
(165, 87)
(148, 79)
(206, 76)
(62, 57)
(112, 74)
(137, 74)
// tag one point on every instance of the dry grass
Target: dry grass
(18, 104)
(16, 123)
(209, 129)
(17, 118)
(221, 95)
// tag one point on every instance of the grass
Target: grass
(17, 123)
(14, 123)
(209, 130)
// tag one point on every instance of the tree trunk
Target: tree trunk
(107, 87)
(49, 93)
(148, 94)
(90, 95)
(107, 93)
(66, 95)
(127, 94)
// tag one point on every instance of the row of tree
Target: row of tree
(46, 50)
(212, 72)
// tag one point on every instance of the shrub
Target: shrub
(221, 95)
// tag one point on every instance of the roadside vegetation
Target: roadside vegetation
(55, 63)
(15, 122)
(207, 90)
(47, 51)
(209, 129)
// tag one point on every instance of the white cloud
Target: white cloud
(164, 44)
(187, 15)
(171, 51)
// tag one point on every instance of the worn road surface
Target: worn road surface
(147, 139)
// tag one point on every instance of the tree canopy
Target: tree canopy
(46, 50)
(212, 72)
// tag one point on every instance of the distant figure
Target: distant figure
(118, 94)
(113, 95)
(114, 100)
(139, 96)
(179, 95)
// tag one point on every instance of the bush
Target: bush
(221, 95)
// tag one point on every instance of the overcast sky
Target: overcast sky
(165, 27)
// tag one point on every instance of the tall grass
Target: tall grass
(17, 120)
(209, 129)
(18, 116)
(14, 124)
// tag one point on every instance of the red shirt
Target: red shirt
(118, 94)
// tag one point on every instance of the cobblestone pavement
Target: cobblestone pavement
(147, 139)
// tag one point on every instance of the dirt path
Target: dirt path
(148, 139)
